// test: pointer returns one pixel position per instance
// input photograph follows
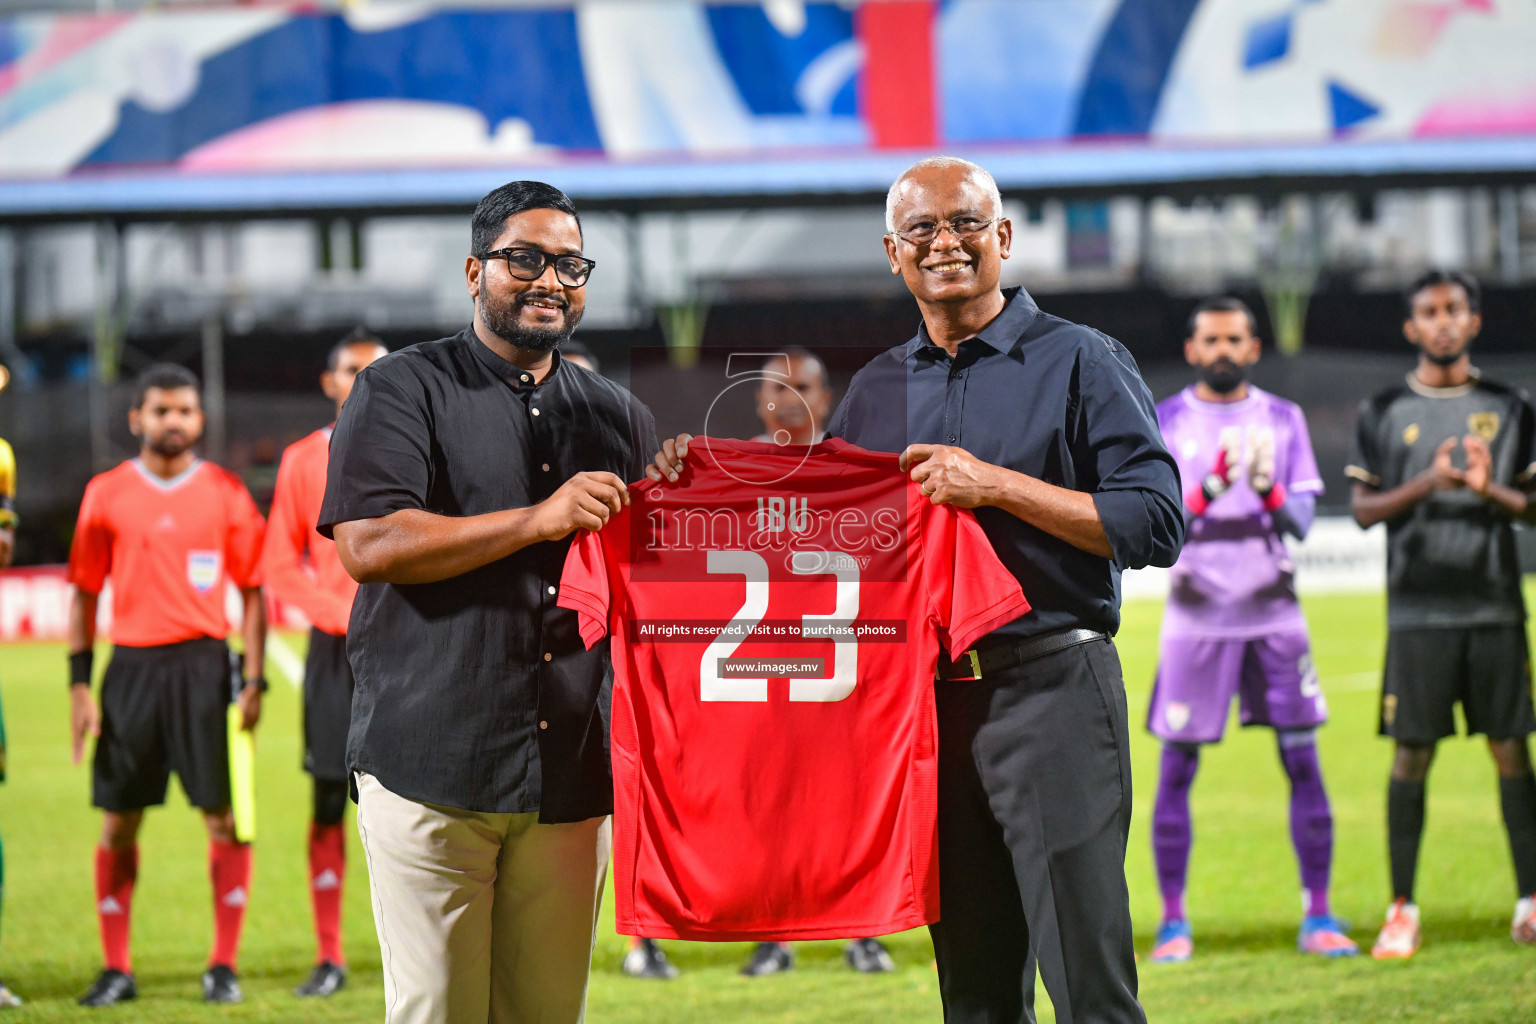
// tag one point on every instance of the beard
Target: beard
(503, 317)
(168, 445)
(1223, 376)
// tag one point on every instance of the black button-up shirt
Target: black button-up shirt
(1056, 401)
(476, 692)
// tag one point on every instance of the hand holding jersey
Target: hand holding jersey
(950, 476)
(584, 502)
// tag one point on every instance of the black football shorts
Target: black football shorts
(1485, 668)
(164, 709)
(327, 706)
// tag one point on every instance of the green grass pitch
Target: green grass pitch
(1244, 901)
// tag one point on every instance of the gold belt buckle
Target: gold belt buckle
(975, 663)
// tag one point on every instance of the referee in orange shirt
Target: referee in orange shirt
(302, 568)
(170, 530)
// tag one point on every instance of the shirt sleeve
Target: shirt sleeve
(380, 458)
(1302, 476)
(584, 586)
(1525, 448)
(969, 592)
(242, 544)
(283, 570)
(837, 423)
(1365, 457)
(1137, 492)
(90, 555)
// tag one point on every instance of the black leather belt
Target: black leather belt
(974, 664)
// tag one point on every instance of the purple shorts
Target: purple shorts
(1272, 676)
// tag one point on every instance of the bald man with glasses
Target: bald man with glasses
(1046, 429)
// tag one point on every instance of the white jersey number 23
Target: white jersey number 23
(845, 661)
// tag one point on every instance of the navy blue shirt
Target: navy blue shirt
(1056, 401)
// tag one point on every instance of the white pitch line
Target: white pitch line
(287, 662)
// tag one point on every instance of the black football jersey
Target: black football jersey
(1451, 558)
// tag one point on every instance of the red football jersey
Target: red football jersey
(299, 565)
(169, 546)
(776, 617)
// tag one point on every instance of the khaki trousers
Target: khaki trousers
(481, 917)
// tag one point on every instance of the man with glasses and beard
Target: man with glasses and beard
(1445, 459)
(1233, 625)
(459, 469)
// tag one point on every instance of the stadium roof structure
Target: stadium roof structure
(1082, 170)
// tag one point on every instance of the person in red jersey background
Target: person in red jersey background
(302, 568)
(170, 531)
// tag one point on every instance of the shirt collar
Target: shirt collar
(502, 368)
(1002, 334)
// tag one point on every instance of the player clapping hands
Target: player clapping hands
(1478, 474)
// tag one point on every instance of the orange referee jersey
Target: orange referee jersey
(300, 566)
(168, 546)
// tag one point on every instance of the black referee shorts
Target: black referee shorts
(164, 709)
(327, 706)
(1486, 668)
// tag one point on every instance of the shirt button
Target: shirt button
(533, 412)
(543, 725)
(525, 378)
(953, 439)
(551, 590)
(545, 467)
(548, 656)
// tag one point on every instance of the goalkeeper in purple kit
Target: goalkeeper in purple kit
(1233, 626)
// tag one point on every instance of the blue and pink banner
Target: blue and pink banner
(420, 99)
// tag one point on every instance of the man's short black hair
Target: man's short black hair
(491, 213)
(1430, 278)
(166, 377)
(358, 335)
(1222, 304)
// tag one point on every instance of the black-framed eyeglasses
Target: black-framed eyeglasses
(528, 265)
(925, 231)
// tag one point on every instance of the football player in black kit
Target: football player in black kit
(1445, 459)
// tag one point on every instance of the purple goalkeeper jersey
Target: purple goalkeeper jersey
(1235, 578)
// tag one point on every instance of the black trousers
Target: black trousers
(1034, 813)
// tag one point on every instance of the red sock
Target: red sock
(229, 865)
(327, 866)
(116, 871)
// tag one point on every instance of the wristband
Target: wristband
(260, 684)
(81, 664)
(1275, 498)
